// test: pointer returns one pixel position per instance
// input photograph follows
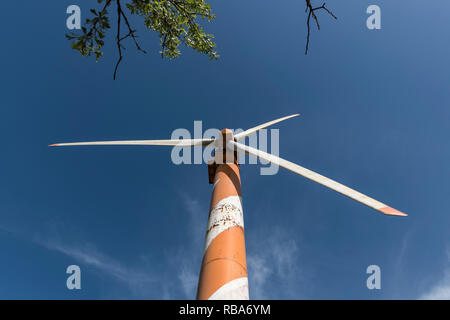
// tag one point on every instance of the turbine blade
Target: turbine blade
(248, 132)
(179, 143)
(353, 194)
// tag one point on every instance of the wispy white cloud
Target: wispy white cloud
(441, 290)
(141, 282)
(259, 275)
(88, 255)
(197, 215)
(189, 280)
(272, 261)
(189, 255)
(273, 266)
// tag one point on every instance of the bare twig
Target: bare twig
(94, 25)
(118, 39)
(131, 33)
(312, 12)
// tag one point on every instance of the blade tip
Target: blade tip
(392, 212)
(53, 145)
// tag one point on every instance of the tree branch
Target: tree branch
(118, 39)
(130, 30)
(131, 33)
(312, 12)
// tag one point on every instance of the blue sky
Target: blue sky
(374, 116)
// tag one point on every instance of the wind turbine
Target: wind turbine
(223, 273)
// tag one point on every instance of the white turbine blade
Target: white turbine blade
(248, 132)
(179, 143)
(353, 194)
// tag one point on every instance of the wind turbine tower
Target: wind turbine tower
(223, 274)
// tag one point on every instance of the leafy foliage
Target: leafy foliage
(176, 21)
(91, 41)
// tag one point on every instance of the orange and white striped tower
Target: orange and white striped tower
(223, 274)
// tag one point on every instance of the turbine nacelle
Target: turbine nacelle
(224, 151)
